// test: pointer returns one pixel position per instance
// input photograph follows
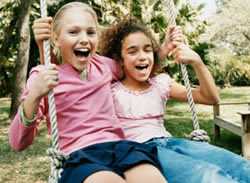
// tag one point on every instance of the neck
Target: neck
(135, 85)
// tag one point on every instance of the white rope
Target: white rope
(197, 134)
(55, 155)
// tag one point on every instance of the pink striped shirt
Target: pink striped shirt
(85, 110)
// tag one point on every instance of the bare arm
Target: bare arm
(206, 92)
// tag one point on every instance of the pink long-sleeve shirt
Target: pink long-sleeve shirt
(85, 110)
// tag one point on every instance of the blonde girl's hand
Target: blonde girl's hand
(185, 55)
(173, 36)
(46, 79)
(42, 30)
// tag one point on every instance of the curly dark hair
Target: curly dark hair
(110, 43)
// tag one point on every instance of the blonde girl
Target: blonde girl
(89, 131)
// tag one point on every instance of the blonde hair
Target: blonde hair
(56, 22)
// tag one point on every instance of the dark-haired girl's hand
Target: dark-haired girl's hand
(173, 36)
(182, 53)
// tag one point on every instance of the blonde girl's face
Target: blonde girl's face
(138, 58)
(77, 37)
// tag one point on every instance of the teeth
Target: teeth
(82, 49)
(141, 67)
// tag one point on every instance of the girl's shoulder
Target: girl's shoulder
(160, 79)
(163, 83)
(101, 58)
(116, 86)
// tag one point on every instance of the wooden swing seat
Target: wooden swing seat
(239, 126)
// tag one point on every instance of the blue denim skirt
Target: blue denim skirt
(117, 157)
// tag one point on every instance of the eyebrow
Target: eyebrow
(77, 27)
(131, 47)
(134, 46)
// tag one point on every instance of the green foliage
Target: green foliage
(8, 46)
(229, 69)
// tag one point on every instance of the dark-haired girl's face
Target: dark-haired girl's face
(137, 57)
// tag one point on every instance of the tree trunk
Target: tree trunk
(20, 71)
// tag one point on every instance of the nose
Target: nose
(142, 56)
(83, 39)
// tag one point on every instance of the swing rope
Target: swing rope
(54, 153)
(197, 134)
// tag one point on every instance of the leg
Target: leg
(145, 173)
(238, 167)
(179, 168)
(103, 177)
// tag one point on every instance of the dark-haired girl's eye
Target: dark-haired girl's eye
(132, 52)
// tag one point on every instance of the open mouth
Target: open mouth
(82, 52)
(141, 67)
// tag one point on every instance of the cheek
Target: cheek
(152, 58)
(95, 42)
(128, 61)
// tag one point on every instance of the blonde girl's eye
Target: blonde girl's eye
(91, 32)
(73, 32)
(148, 48)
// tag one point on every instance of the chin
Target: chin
(144, 79)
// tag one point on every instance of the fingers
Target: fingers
(174, 33)
(45, 20)
(185, 55)
(49, 75)
(42, 29)
(175, 46)
(180, 53)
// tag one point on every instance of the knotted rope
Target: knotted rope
(197, 134)
(55, 155)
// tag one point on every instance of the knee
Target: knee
(104, 176)
(145, 173)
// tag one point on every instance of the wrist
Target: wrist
(34, 96)
(197, 62)
(24, 119)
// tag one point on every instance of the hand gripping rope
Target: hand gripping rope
(197, 134)
(54, 153)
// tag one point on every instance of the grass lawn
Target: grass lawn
(32, 165)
